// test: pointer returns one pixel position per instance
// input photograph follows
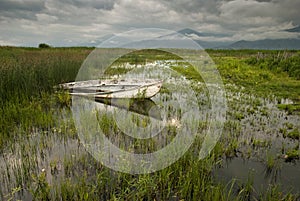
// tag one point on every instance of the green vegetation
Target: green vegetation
(41, 154)
(26, 86)
(290, 108)
(292, 154)
(295, 134)
(263, 73)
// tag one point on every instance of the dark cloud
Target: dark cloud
(263, 0)
(78, 12)
(187, 6)
(98, 4)
(18, 15)
(25, 5)
(288, 10)
(21, 9)
(75, 21)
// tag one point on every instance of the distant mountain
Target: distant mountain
(267, 44)
(164, 40)
(295, 29)
(200, 38)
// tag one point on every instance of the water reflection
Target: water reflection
(145, 107)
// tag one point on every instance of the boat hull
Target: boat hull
(114, 89)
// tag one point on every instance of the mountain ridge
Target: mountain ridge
(199, 38)
(295, 29)
(267, 44)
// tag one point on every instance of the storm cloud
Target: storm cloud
(75, 22)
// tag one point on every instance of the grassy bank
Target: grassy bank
(261, 72)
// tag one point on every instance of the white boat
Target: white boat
(114, 88)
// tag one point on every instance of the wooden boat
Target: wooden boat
(114, 88)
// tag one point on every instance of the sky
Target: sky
(76, 22)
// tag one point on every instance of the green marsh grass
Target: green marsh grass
(261, 76)
(44, 160)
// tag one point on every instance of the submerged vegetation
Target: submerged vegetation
(41, 157)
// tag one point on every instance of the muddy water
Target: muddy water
(259, 136)
(287, 175)
(40, 153)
